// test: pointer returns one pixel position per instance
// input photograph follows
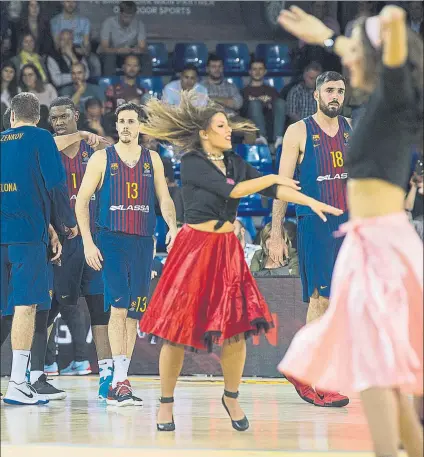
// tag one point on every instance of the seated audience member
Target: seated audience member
(9, 83)
(415, 16)
(300, 99)
(127, 89)
(188, 81)
(4, 117)
(263, 105)
(60, 62)
(31, 81)
(69, 19)
(157, 265)
(224, 93)
(261, 263)
(80, 90)
(122, 35)
(249, 249)
(34, 21)
(93, 120)
(27, 54)
(365, 9)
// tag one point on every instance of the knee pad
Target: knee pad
(95, 305)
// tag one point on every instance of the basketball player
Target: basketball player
(126, 178)
(32, 181)
(315, 148)
(74, 278)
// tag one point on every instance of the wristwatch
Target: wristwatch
(329, 43)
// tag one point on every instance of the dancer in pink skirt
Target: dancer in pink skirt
(372, 333)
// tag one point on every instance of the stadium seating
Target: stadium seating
(167, 150)
(154, 85)
(190, 53)
(276, 57)
(258, 155)
(236, 58)
(275, 81)
(254, 205)
(160, 59)
(249, 225)
(105, 81)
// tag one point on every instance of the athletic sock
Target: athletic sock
(35, 376)
(119, 373)
(19, 366)
(105, 367)
(127, 362)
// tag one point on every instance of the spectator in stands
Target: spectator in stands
(121, 36)
(249, 249)
(9, 83)
(59, 64)
(157, 265)
(223, 92)
(70, 20)
(27, 54)
(80, 91)
(263, 105)
(34, 21)
(219, 89)
(261, 263)
(300, 99)
(32, 81)
(365, 9)
(94, 119)
(7, 34)
(415, 16)
(127, 89)
(188, 81)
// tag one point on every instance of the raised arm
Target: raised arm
(166, 204)
(95, 141)
(90, 183)
(394, 36)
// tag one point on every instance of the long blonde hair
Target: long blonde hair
(180, 124)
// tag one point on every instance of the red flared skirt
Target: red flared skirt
(206, 293)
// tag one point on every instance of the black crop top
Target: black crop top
(382, 141)
(206, 191)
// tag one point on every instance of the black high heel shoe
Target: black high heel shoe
(240, 425)
(170, 426)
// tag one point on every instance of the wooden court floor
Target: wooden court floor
(281, 424)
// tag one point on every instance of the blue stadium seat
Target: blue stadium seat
(167, 150)
(236, 58)
(278, 158)
(275, 81)
(154, 85)
(276, 57)
(237, 81)
(160, 234)
(160, 59)
(190, 53)
(249, 224)
(104, 82)
(258, 155)
(254, 205)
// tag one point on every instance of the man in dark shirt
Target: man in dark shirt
(27, 194)
(263, 105)
(127, 89)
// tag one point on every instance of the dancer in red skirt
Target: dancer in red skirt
(370, 340)
(207, 294)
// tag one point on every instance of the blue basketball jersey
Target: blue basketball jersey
(321, 173)
(126, 200)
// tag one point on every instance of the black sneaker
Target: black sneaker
(137, 401)
(44, 388)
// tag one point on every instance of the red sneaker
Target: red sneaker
(121, 395)
(330, 399)
(305, 392)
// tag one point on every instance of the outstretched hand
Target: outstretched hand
(304, 26)
(320, 208)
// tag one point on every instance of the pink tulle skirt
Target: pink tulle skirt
(372, 332)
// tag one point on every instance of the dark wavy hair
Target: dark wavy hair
(13, 85)
(372, 68)
(39, 85)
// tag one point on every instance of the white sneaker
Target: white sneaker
(23, 394)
